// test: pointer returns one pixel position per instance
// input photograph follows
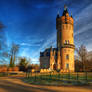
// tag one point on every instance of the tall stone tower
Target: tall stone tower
(65, 40)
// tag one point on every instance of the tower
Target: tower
(65, 40)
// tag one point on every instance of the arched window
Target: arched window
(65, 41)
(67, 56)
(67, 66)
(68, 42)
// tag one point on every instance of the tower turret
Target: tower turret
(65, 12)
(65, 40)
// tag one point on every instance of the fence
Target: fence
(83, 76)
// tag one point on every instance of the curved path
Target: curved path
(16, 85)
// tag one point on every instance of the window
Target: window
(67, 66)
(65, 41)
(68, 41)
(47, 54)
(41, 54)
(67, 56)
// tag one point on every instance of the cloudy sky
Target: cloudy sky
(32, 23)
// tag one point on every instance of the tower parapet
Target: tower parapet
(65, 39)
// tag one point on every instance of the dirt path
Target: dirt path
(16, 85)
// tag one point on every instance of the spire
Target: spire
(51, 48)
(65, 10)
(58, 15)
(71, 14)
(65, 7)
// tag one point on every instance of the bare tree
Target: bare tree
(82, 53)
(13, 52)
(3, 45)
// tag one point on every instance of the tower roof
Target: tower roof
(71, 15)
(58, 15)
(65, 10)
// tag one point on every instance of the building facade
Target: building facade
(62, 57)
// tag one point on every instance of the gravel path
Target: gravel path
(16, 85)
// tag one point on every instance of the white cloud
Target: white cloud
(27, 44)
(83, 29)
(51, 41)
(83, 20)
(35, 60)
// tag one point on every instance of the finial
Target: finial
(51, 47)
(58, 14)
(65, 11)
(65, 7)
(71, 14)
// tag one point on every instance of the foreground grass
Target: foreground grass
(58, 80)
(3, 74)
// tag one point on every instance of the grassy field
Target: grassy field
(55, 78)
(3, 74)
(59, 78)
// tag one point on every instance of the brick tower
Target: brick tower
(65, 41)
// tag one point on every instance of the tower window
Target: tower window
(65, 41)
(67, 66)
(67, 57)
(68, 41)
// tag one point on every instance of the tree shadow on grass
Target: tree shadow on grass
(14, 87)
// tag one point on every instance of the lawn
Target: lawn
(3, 74)
(59, 78)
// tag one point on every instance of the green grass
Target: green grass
(66, 76)
(3, 74)
(54, 82)
(59, 79)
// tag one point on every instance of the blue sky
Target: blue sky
(32, 23)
